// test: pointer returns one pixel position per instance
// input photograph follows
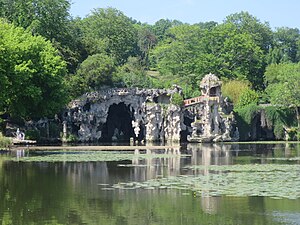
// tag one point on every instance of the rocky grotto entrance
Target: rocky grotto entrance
(118, 126)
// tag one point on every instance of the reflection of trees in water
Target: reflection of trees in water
(68, 192)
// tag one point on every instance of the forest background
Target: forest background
(47, 58)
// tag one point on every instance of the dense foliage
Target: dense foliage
(32, 74)
(108, 48)
(283, 85)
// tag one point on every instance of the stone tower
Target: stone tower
(211, 123)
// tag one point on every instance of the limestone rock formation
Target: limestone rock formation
(124, 114)
(210, 121)
(117, 115)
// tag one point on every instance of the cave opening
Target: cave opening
(118, 126)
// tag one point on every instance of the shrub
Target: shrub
(177, 99)
(5, 141)
(247, 97)
(234, 88)
(72, 138)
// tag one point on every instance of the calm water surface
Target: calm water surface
(72, 192)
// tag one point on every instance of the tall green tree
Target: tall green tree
(93, 73)
(43, 17)
(283, 85)
(176, 54)
(31, 72)
(232, 54)
(161, 27)
(50, 19)
(285, 46)
(260, 31)
(146, 41)
(110, 31)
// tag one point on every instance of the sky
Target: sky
(279, 13)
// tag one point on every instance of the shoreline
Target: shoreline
(95, 148)
(132, 147)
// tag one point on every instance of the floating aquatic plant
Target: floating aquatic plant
(89, 156)
(276, 181)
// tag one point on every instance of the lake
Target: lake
(193, 184)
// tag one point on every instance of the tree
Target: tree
(207, 25)
(232, 54)
(43, 17)
(110, 31)
(96, 71)
(32, 74)
(133, 74)
(146, 41)
(283, 85)
(177, 53)
(285, 47)
(248, 97)
(246, 23)
(161, 27)
(50, 19)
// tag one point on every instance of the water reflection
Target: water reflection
(151, 167)
(71, 192)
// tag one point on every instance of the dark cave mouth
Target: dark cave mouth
(118, 126)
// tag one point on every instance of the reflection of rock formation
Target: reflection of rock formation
(210, 154)
(121, 114)
(87, 172)
(210, 204)
(151, 168)
(213, 120)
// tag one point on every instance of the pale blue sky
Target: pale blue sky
(278, 13)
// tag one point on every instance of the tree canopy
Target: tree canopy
(283, 82)
(32, 74)
(44, 52)
(110, 31)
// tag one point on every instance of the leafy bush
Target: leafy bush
(247, 97)
(138, 79)
(72, 138)
(177, 99)
(234, 88)
(4, 141)
(277, 118)
(280, 117)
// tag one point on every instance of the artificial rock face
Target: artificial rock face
(209, 119)
(123, 115)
